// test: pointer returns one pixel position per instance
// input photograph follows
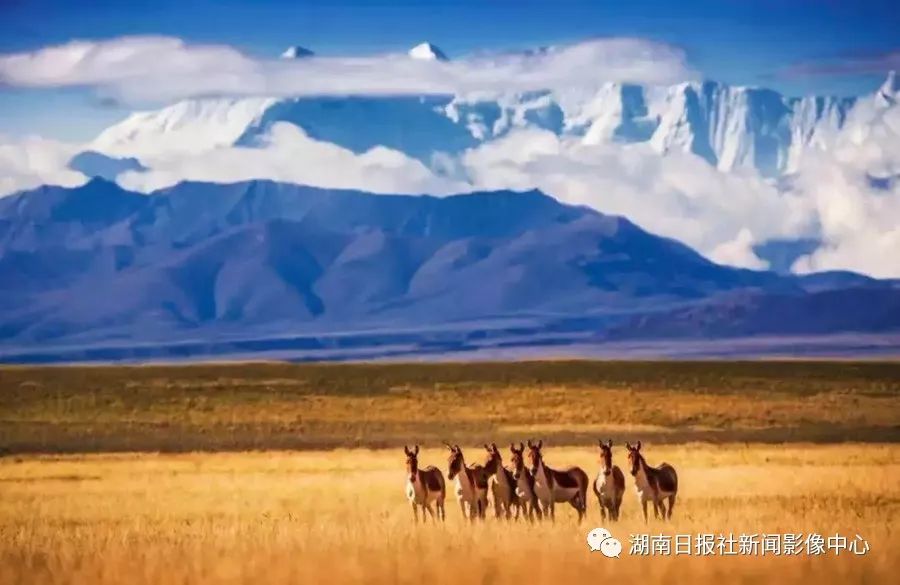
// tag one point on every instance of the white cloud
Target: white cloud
(32, 161)
(679, 195)
(860, 222)
(287, 154)
(152, 68)
(739, 252)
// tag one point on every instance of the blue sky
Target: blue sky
(838, 44)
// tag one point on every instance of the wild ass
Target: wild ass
(524, 483)
(502, 484)
(424, 486)
(609, 484)
(471, 484)
(552, 486)
(653, 484)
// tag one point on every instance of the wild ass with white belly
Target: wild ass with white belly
(424, 486)
(502, 484)
(524, 483)
(471, 484)
(552, 486)
(653, 484)
(609, 486)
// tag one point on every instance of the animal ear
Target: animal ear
(600, 442)
(417, 450)
(529, 444)
(609, 443)
(486, 448)
(446, 444)
(456, 448)
(540, 443)
(406, 449)
(638, 446)
(512, 447)
(521, 447)
(494, 446)
(628, 445)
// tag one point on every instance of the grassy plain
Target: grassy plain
(220, 407)
(341, 516)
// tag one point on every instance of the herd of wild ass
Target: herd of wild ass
(533, 490)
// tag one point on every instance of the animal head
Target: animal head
(517, 459)
(494, 460)
(534, 455)
(606, 456)
(634, 457)
(412, 461)
(455, 462)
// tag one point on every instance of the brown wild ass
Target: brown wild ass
(524, 483)
(552, 486)
(502, 484)
(610, 483)
(424, 486)
(653, 484)
(471, 484)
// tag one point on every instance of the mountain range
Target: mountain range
(732, 127)
(98, 272)
(261, 267)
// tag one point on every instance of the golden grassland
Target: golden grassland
(341, 516)
(290, 406)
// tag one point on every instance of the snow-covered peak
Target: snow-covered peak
(187, 127)
(296, 52)
(427, 52)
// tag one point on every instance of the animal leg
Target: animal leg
(415, 513)
(440, 508)
(644, 506)
(671, 505)
(581, 506)
(430, 512)
(462, 507)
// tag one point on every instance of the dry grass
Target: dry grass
(341, 516)
(279, 406)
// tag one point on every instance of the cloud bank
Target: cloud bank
(288, 155)
(26, 163)
(142, 69)
(854, 191)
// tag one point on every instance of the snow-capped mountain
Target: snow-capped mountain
(296, 52)
(188, 127)
(731, 127)
(427, 52)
